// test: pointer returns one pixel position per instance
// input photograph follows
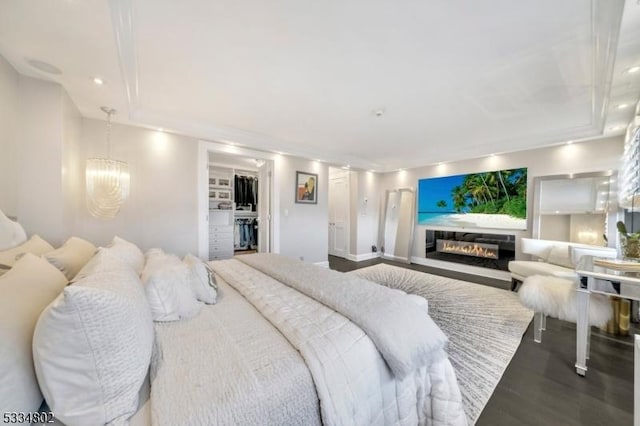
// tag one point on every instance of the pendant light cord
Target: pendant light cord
(109, 112)
(109, 134)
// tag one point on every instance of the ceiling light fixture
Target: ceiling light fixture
(633, 70)
(107, 180)
(622, 106)
(569, 142)
(98, 81)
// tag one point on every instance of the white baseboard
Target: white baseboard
(324, 264)
(467, 269)
(363, 256)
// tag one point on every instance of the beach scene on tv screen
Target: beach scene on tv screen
(496, 200)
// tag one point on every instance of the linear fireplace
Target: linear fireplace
(470, 248)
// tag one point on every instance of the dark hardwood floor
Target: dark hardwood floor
(540, 386)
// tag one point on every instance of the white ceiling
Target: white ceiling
(455, 79)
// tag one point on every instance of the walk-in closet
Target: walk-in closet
(234, 205)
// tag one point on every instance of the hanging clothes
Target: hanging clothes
(245, 234)
(245, 190)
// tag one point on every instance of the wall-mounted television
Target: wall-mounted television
(495, 200)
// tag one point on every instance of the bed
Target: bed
(282, 347)
(287, 343)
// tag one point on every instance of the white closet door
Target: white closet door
(264, 207)
(338, 216)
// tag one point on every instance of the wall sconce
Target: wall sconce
(107, 180)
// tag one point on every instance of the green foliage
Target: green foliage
(630, 242)
(442, 204)
(500, 192)
(516, 207)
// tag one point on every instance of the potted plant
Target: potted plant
(630, 242)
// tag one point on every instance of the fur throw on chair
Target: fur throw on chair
(556, 297)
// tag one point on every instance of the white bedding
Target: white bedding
(277, 356)
(229, 366)
(354, 383)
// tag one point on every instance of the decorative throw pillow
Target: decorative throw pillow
(25, 291)
(102, 261)
(92, 349)
(559, 255)
(166, 284)
(202, 279)
(72, 256)
(11, 233)
(128, 252)
(35, 245)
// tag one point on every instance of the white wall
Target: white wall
(303, 227)
(9, 79)
(38, 176)
(72, 172)
(162, 208)
(367, 203)
(597, 155)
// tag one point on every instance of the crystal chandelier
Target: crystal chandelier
(107, 180)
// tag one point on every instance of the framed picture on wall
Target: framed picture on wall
(306, 188)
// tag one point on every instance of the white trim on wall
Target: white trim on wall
(363, 256)
(467, 269)
(204, 148)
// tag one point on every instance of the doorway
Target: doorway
(235, 202)
(338, 205)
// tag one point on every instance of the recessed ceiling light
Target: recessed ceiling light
(622, 106)
(633, 70)
(98, 81)
(44, 66)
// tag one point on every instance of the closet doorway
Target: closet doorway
(238, 206)
(338, 212)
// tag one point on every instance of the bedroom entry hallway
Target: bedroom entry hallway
(338, 206)
(235, 200)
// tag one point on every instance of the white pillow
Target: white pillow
(92, 348)
(35, 245)
(559, 255)
(72, 256)
(202, 279)
(102, 261)
(166, 284)
(128, 252)
(11, 233)
(24, 292)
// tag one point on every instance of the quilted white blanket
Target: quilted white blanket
(353, 382)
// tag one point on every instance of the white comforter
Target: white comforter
(353, 380)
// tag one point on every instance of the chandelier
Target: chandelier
(107, 180)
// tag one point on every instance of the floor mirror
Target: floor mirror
(398, 221)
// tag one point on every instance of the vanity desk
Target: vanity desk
(599, 279)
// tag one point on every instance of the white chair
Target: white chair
(555, 295)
